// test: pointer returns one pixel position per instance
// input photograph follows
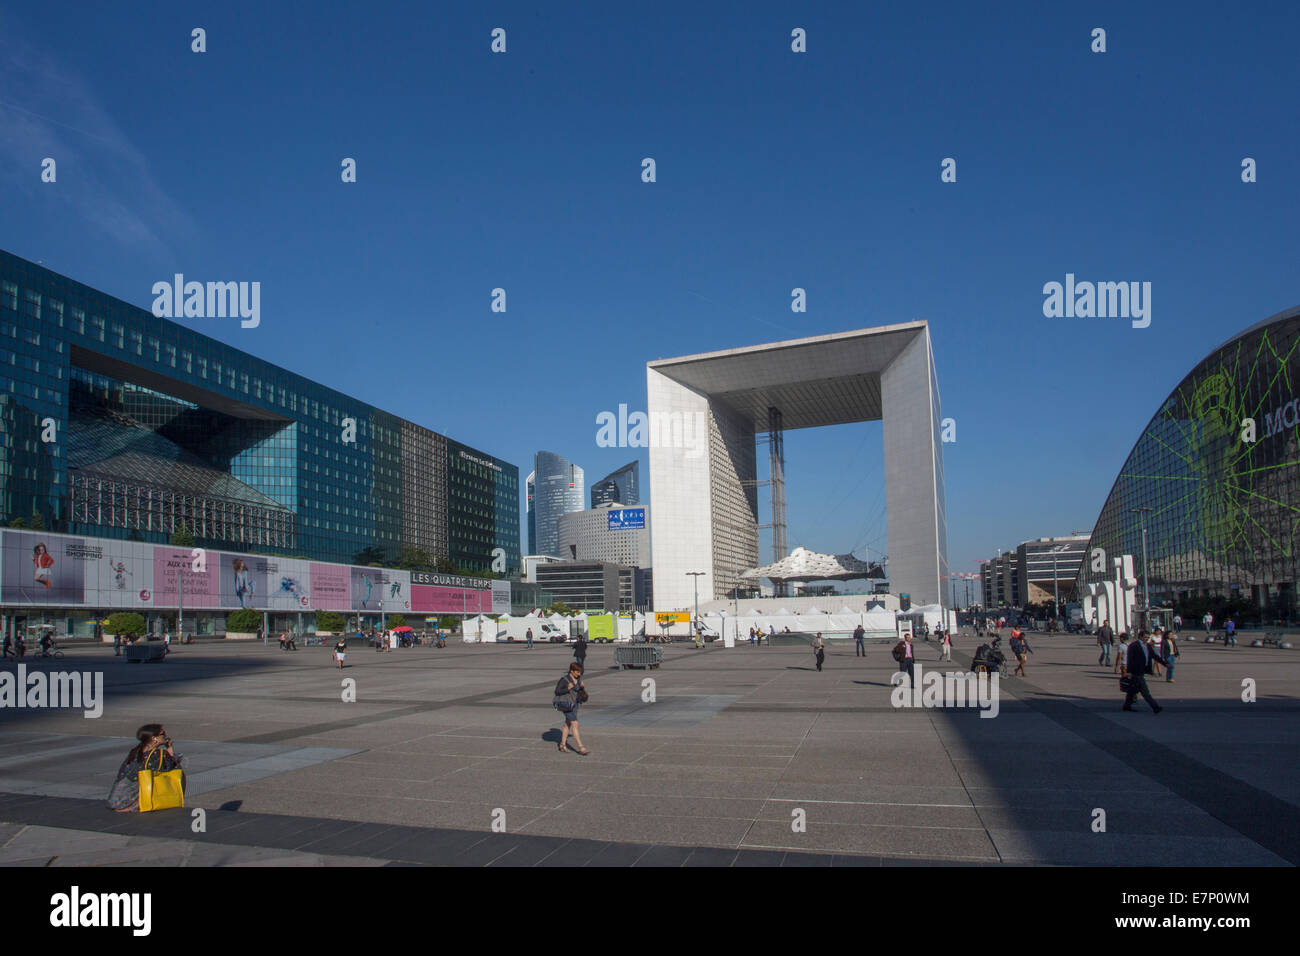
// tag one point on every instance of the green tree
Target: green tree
(369, 555)
(36, 522)
(125, 624)
(411, 558)
(244, 621)
(445, 566)
(181, 537)
(18, 523)
(395, 620)
(330, 621)
(559, 607)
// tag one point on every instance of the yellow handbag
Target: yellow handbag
(160, 789)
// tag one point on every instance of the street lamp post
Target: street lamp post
(696, 626)
(1146, 585)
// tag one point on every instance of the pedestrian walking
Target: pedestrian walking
(1171, 657)
(1105, 640)
(341, 651)
(528, 636)
(117, 645)
(771, 633)
(580, 651)
(1230, 632)
(819, 650)
(902, 653)
(945, 648)
(1158, 655)
(570, 695)
(1019, 647)
(1178, 623)
(1121, 655)
(1139, 665)
(1207, 621)
(859, 642)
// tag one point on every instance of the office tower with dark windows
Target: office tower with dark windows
(532, 514)
(558, 490)
(622, 486)
(116, 423)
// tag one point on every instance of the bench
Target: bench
(638, 655)
(135, 653)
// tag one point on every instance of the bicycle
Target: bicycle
(52, 652)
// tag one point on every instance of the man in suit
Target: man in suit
(1140, 654)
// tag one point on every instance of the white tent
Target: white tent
(479, 629)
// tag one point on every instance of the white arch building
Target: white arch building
(706, 410)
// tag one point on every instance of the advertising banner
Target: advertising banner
(500, 597)
(287, 583)
(397, 591)
(330, 587)
(426, 598)
(123, 576)
(40, 568)
(367, 588)
(621, 518)
(201, 587)
(243, 580)
(672, 617)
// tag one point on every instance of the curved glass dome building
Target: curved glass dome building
(1223, 525)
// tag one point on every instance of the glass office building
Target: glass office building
(116, 423)
(558, 489)
(622, 486)
(1215, 480)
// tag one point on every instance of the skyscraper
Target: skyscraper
(531, 491)
(622, 486)
(558, 488)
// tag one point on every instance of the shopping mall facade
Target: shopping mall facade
(1215, 480)
(117, 424)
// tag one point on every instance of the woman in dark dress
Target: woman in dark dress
(570, 695)
(125, 795)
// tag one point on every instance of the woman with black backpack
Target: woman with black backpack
(570, 694)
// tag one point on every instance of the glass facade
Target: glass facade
(622, 486)
(116, 423)
(1213, 478)
(558, 489)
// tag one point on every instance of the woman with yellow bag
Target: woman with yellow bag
(150, 778)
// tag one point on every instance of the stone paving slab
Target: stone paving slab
(438, 740)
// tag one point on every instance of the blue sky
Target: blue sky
(775, 170)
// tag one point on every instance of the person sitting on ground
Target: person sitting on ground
(124, 797)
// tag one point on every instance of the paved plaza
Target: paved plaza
(439, 743)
